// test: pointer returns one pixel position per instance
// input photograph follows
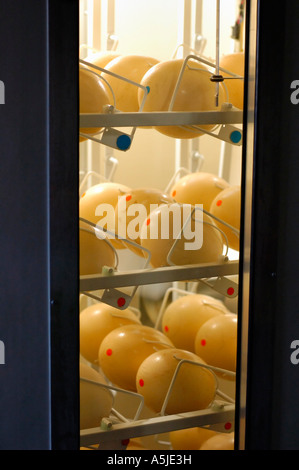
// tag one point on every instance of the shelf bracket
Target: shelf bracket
(114, 297)
(223, 286)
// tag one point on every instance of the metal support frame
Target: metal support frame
(215, 418)
(161, 118)
(153, 276)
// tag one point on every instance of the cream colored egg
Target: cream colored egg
(132, 210)
(216, 341)
(175, 235)
(98, 194)
(198, 188)
(98, 205)
(96, 321)
(227, 207)
(221, 441)
(95, 401)
(95, 253)
(195, 93)
(234, 63)
(194, 387)
(131, 67)
(101, 58)
(93, 96)
(184, 316)
(190, 438)
(123, 349)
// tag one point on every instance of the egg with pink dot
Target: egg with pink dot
(216, 343)
(194, 386)
(122, 351)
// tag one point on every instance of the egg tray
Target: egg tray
(214, 275)
(116, 428)
(111, 118)
(218, 418)
(209, 273)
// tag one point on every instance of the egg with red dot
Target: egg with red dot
(96, 321)
(198, 188)
(227, 207)
(194, 387)
(216, 342)
(171, 240)
(127, 222)
(129, 345)
(183, 317)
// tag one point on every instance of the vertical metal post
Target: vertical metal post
(183, 158)
(111, 39)
(246, 230)
(96, 22)
(198, 44)
(217, 50)
(111, 44)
